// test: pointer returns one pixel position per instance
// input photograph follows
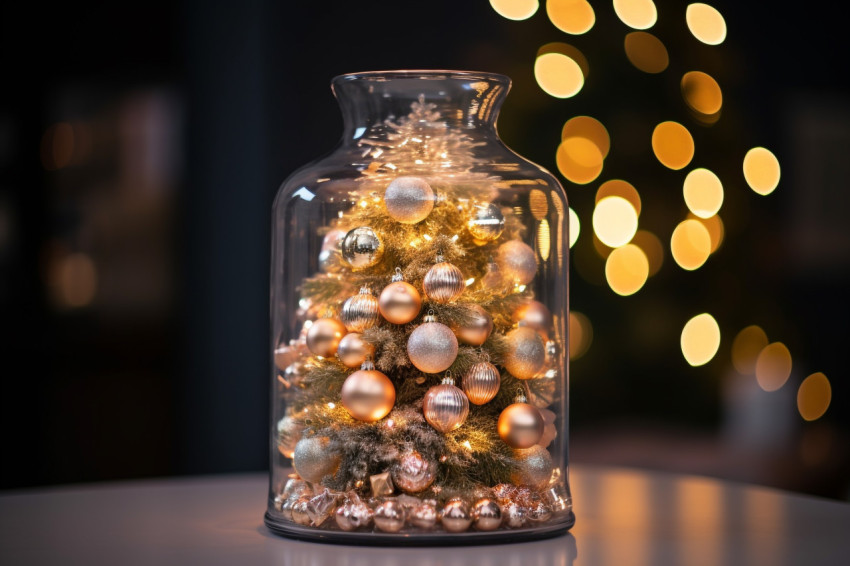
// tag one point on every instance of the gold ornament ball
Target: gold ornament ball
(362, 248)
(333, 239)
(288, 434)
(389, 516)
(400, 302)
(423, 515)
(432, 347)
(413, 473)
(517, 262)
(526, 353)
(409, 199)
(534, 468)
(314, 460)
(353, 350)
(477, 328)
(487, 515)
(520, 425)
(368, 395)
(445, 406)
(360, 312)
(536, 315)
(486, 222)
(324, 335)
(443, 283)
(481, 383)
(456, 516)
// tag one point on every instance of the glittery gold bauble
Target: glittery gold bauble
(486, 222)
(517, 262)
(389, 516)
(362, 248)
(444, 282)
(481, 383)
(534, 468)
(360, 311)
(313, 458)
(526, 353)
(477, 329)
(432, 346)
(413, 473)
(409, 199)
(288, 434)
(456, 516)
(487, 515)
(353, 350)
(399, 302)
(324, 335)
(367, 394)
(536, 315)
(445, 406)
(520, 425)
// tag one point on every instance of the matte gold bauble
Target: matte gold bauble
(413, 473)
(367, 394)
(486, 222)
(399, 302)
(536, 315)
(445, 406)
(313, 458)
(362, 248)
(353, 350)
(432, 346)
(477, 329)
(534, 468)
(324, 335)
(526, 353)
(360, 311)
(409, 199)
(481, 383)
(444, 282)
(517, 262)
(520, 425)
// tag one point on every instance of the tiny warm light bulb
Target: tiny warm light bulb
(700, 339)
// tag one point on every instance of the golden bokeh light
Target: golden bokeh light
(73, 280)
(614, 221)
(57, 146)
(581, 334)
(646, 52)
(761, 170)
(544, 239)
(619, 188)
(746, 348)
(703, 193)
(700, 339)
(602, 250)
(814, 396)
(690, 244)
(672, 144)
(579, 160)
(538, 204)
(714, 225)
(701, 92)
(590, 129)
(515, 9)
(575, 227)
(558, 75)
(637, 14)
(652, 247)
(706, 23)
(773, 366)
(626, 269)
(571, 16)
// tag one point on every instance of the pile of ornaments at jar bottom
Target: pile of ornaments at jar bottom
(504, 506)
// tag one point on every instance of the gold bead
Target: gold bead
(324, 335)
(367, 394)
(399, 302)
(520, 425)
(477, 329)
(526, 353)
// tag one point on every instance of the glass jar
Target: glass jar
(419, 307)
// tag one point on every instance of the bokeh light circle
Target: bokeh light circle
(773, 366)
(701, 92)
(581, 334)
(620, 188)
(515, 9)
(646, 52)
(652, 247)
(579, 160)
(626, 269)
(703, 193)
(700, 339)
(690, 244)
(614, 221)
(814, 396)
(571, 16)
(672, 144)
(746, 348)
(558, 75)
(575, 227)
(761, 170)
(706, 23)
(590, 129)
(714, 225)
(637, 14)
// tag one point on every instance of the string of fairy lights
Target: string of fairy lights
(632, 255)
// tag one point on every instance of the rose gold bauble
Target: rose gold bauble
(324, 335)
(400, 302)
(444, 282)
(517, 262)
(367, 394)
(413, 473)
(526, 353)
(481, 383)
(409, 199)
(432, 346)
(353, 350)
(476, 331)
(360, 311)
(520, 425)
(445, 406)
(536, 315)
(486, 222)
(534, 467)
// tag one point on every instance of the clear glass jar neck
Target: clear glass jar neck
(456, 99)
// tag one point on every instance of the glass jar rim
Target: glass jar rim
(432, 74)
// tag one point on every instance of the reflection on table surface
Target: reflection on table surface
(624, 517)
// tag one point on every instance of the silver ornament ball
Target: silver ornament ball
(362, 248)
(486, 222)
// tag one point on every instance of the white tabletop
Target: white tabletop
(624, 517)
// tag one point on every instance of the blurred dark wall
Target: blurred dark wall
(141, 146)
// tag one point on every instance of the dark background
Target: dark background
(183, 119)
